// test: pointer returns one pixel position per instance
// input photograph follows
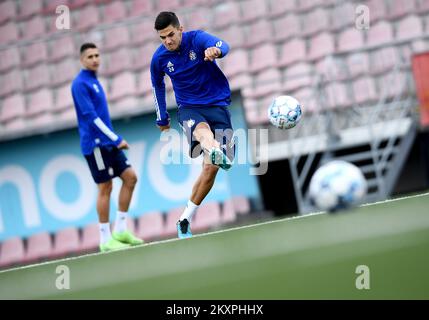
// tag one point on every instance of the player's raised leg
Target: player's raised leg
(121, 232)
(204, 135)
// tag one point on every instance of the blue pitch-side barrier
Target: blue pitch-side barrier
(45, 184)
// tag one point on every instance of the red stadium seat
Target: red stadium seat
(79, 3)
(51, 5)
(286, 27)
(262, 57)
(228, 212)
(116, 37)
(343, 16)
(233, 35)
(278, 8)
(114, 11)
(319, 22)
(226, 14)
(143, 32)
(67, 116)
(297, 76)
(384, 60)
(194, 3)
(29, 8)
(123, 85)
(8, 11)
(337, 96)
(409, 27)
(10, 82)
(34, 53)
(308, 98)
(12, 252)
(258, 32)
(90, 238)
(252, 10)
(364, 90)
(63, 98)
(241, 204)
(39, 247)
(143, 56)
(266, 82)
(9, 58)
(321, 45)
(12, 107)
(17, 124)
(141, 7)
(397, 85)
(64, 72)
(33, 28)
(37, 77)
(236, 63)
(39, 102)
(350, 39)
(117, 61)
(401, 8)
(61, 48)
(168, 5)
(380, 33)
(197, 19)
(307, 5)
(150, 226)
(358, 64)
(423, 7)
(377, 9)
(88, 18)
(206, 217)
(66, 242)
(8, 33)
(292, 51)
(144, 83)
(173, 216)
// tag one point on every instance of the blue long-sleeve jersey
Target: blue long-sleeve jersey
(95, 127)
(195, 82)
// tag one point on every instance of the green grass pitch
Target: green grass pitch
(309, 257)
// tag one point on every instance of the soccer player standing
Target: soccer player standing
(102, 149)
(202, 95)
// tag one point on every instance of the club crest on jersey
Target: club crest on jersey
(96, 88)
(192, 55)
(170, 66)
(190, 123)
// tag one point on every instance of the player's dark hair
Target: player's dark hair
(166, 18)
(87, 45)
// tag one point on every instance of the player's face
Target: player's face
(90, 59)
(171, 37)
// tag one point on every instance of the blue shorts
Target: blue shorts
(106, 163)
(219, 120)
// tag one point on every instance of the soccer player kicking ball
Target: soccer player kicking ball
(102, 148)
(202, 95)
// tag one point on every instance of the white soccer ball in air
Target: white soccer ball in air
(284, 112)
(337, 185)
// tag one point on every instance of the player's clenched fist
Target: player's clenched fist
(212, 53)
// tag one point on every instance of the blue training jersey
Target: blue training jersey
(195, 82)
(95, 127)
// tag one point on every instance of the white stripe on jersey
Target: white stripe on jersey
(105, 129)
(158, 114)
